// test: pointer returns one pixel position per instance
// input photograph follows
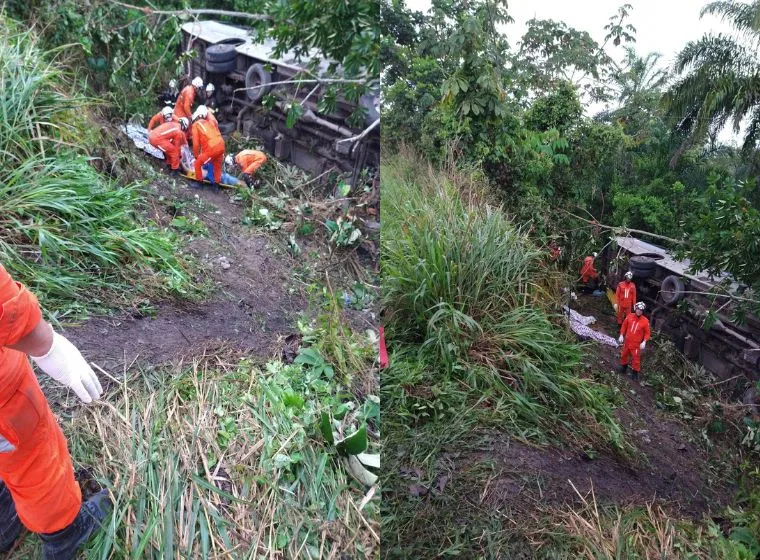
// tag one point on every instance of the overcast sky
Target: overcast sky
(663, 26)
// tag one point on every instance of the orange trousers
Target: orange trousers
(39, 473)
(171, 151)
(214, 154)
(623, 312)
(632, 353)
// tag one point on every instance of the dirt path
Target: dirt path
(673, 466)
(254, 302)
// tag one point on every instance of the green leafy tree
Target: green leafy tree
(719, 78)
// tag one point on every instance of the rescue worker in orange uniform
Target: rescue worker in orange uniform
(625, 295)
(208, 146)
(186, 99)
(162, 117)
(37, 485)
(588, 272)
(247, 162)
(169, 138)
(634, 334)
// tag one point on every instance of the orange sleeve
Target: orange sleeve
(618, 292)
(155, 121)
(624, 326)
(20, 311)
(633, 291)
(647, 331)
(196, 139)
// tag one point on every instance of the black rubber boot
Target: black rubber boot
(622, 369)
(10, 526)
(634, 375)
(64, 544)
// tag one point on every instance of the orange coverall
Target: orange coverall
(250, 160)
(156, 120)
(184, 105)
(635, 330)
(39, 473)
(169, 138)
(208, 145)
(588, 272)
(625, 295)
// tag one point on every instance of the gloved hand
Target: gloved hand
(643, 344)
(620, 339)
(248, 179)
(65, 364)
(614, 306)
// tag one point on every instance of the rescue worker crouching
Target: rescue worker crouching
(169, 138)
(625, 296)
(162, 117)
(37, 484)
(247, 162)
(634, 334)
(589, 275)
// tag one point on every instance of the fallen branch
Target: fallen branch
(625, 229)
(192, 12)
(358, 137)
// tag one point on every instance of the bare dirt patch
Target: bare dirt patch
(253, 304)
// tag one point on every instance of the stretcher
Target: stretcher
(191, 177)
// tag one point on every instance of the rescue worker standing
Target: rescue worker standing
(208, 146)
(186, 99)
(588, 272)
(210, 98)
(37, 485)
(169, 138)
(625, 296)
(162, 117)
(634, 334)
(247, 162)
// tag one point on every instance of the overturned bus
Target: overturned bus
(244, 72)
(680, 303)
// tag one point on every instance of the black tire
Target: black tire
(227, 127)
(257, 76)
(672, 289)
(642, 263)
(221, 67)
(639, 274)
(221, 53)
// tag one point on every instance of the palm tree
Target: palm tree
(641, 76)
(720, 78)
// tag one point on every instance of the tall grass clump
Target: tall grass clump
(466, 287)
(65, 230)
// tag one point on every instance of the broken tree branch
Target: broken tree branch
(626, 229)
(192, 12)
(358, 137)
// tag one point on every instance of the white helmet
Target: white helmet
(172, 83)
(594, 255)
(167, 112)
(228, 160)
(200, 113)
(197, 82)
(629, 275)
(640, 305)
(210, 88)
(183, 123)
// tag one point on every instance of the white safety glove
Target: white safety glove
(620, 339)
(643, 344)
(65, 364)
(614, 306)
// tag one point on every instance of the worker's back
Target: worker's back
(206, 135)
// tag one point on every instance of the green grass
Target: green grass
(470, 292)
(219, 458)
(65, 230)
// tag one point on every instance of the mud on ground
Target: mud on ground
(254, 304)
